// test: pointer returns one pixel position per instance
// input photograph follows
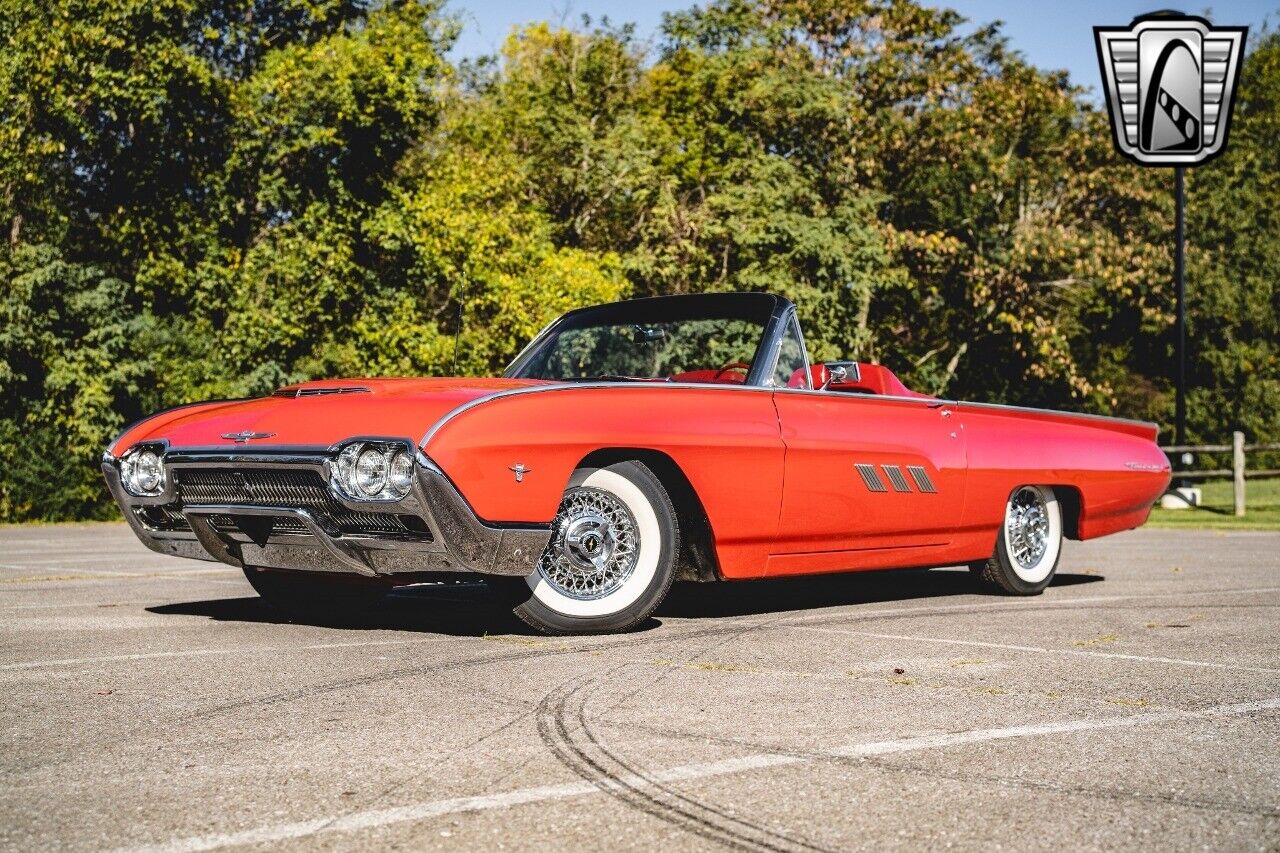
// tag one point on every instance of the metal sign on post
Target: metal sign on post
(1170, 82)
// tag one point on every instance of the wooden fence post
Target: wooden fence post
(1237, 469)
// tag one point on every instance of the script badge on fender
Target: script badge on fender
(1170, 82)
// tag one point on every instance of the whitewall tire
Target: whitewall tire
(612, 553)
(1028, 544)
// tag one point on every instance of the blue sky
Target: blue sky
(1051, 35)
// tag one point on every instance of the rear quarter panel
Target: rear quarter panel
(725, 440)
(1115, 466)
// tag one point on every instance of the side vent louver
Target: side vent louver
(870, 478)
(894, 473)
(921, 476)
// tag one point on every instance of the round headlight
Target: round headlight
(400, 479)
(149, 474)
(345, 475)
(142, 473)
(371, 472)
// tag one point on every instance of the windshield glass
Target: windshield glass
(680, 339)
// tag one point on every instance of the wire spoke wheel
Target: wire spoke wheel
(611, 555)
(1028, 543)
(1027, 523)
(594, 545)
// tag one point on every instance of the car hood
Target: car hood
(317, 414)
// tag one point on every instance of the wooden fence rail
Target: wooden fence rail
(1238, 471)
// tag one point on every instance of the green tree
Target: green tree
(1233, 277)
(207, 198)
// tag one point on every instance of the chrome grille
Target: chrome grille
(258, 487)
(162, 518)
(279, 523)
(297, 489)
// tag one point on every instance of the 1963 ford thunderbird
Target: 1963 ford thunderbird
(630, 444)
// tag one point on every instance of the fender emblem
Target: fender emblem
(246, 436)
(520, 471)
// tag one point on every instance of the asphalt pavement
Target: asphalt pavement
(156, 703)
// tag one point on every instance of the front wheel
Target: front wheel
(612, 554)
(1028, 545)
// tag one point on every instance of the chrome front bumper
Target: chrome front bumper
(274, 534)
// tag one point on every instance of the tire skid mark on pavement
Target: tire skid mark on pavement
(1039, 649)
(930, 771)
(772, 838)
(744, 628)
(867, 678)
(644, 793)
(719, 630)
(373, 819)
(1103, 793)
(463, 663)
(316, 690)
(729, 625)
(206, 652)
(445, 759)
(747, 832)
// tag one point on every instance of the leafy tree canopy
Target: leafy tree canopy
(207, 198)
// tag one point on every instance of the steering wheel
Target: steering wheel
(734, 365)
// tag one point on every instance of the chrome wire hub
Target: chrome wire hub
(593, 548)
(589, 542)
(1028, 527)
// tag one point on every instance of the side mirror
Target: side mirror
(822, 375)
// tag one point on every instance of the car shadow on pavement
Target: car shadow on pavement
(474, 610)
(457, 609)
(745, 598)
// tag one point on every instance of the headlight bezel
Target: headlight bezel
(381, 456)
(153, 454)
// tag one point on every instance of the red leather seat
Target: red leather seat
(711, 377)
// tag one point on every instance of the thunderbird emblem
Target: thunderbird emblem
(519, 470)
(246, 436)
(1170, 82)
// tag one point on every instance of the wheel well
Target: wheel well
(1069, 498)
(697, 560)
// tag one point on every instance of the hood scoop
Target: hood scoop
(320, 392)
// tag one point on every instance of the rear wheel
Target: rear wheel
(611, 558)
(1029, 543)
(315, 595)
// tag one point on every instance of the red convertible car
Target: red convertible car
(630, 444)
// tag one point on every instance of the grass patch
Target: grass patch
(1262, 508)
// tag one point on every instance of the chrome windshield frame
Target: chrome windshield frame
(762, 361)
